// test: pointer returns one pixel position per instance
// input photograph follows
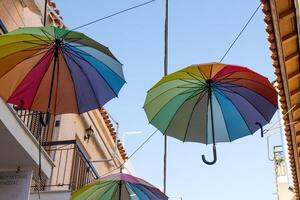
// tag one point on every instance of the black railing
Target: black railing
(72, 168)
(33, 121)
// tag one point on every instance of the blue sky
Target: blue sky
(200, 32)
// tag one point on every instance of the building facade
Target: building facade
(283, 26)
(76, 149)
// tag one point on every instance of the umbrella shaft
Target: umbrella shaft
(52, 78)
(120, 189)
(211, 114)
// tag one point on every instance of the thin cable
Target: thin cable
(240, 33)
(141, 146)
(19, 14)
(166, 33)
(122, 165)
(271, 127)
(109, 16)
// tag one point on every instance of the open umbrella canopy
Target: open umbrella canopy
(193, 103)
(119, 186)
(55, 70)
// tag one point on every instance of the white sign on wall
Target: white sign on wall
(15, 186)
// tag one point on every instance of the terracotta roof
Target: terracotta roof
(283, 36)
(55, 14)
(113, 133)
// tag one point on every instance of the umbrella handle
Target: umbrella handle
(215, 157)
(261, 129)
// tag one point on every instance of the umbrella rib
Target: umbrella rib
(233, 92)
(47, 34)
(187, 81)
(219, 91)
(162, 94)
(27, 41)
(12, 67)
(135, 187)
(39, 47)
(79, 67)
(86, 45)
(127, 184)
(148, 189)
(232, 85)
(163, 107)
(170, 121)
(211, 68)
(233, 80)
(194, 76)
(22, 51)
(78, 56)
(79, 52)
(43, 75)
(199, 100)
(100, 187)
(72, 40)
(73, 82)
(227, 129)
(205, 90)
(203, 75)
(190, 91)
(225, 77)
(40, 39)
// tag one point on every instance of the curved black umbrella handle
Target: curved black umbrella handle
(215, 157)
(261, 129)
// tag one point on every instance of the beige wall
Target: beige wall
(15, 14)
(100, 145)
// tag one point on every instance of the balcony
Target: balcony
(17, 140)
(72, 167)
(72, 171)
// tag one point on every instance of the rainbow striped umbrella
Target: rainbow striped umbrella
(193, 103)
(119, 186)
(58, 71)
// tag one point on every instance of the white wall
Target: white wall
(51, 195)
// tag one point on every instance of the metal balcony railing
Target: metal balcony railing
(33, 122)
(72, 167)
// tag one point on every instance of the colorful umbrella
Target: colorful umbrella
(54, 70)
(193, 103)
(119, 187)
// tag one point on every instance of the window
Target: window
(2, 28)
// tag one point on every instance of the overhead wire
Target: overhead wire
(275, 123)
(241, 32)
(114, 14)
(137, 149)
